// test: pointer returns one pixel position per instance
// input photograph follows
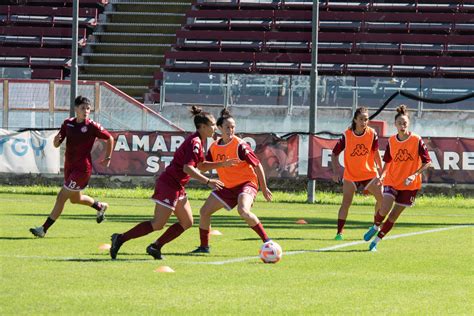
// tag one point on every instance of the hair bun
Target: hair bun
(195, 110)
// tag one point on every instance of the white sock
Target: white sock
(377, 239)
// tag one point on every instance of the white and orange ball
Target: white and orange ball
(270, 252)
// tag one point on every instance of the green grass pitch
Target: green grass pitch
(66, 272)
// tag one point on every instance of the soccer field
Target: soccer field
(425, 267)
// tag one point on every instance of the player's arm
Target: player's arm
(60, 136)
(340, 145)
(209, 165)
(377, 157)
(109, 147)
(425, 161)
(387, 158)
(263, 182)
(194, 173)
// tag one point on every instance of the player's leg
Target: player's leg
(348, 190)
(78, 198)
(162, 214)
(63, 195)
(387, 202)
(375, 188)
(185, 220)
(244, 206)
(387, 225)
(211, 206)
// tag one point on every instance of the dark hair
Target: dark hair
(225, 114)
(81, 100)
(358, 111)
(200, 117)
(402, 110)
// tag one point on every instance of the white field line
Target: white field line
(345, 245)
(242, 259)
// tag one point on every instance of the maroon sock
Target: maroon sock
(171, 233)
(386, 227)
(204, 236)
(340, 225)
(96, 205)
(48, 223)
(378, 219)
(142, 229)
(260, 231)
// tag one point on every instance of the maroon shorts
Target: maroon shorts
(363, 185)
(75, 180)
(168, 192)
(230, 197)
(402, 197)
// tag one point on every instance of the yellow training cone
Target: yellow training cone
(164, 269)
(215, 232)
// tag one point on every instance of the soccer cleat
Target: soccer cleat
(371, 233)
(38, 231)
(154, 252)
(201, 249)
(115, 245)
(101, 214)
(373, 246)
(339, 237)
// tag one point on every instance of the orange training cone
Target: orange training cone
(164, 269)
(104, 247)
(301, 221)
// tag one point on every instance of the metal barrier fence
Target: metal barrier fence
(45, 104)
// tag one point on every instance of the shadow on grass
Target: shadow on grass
(99, 260)
(17, 238)
(267, 221)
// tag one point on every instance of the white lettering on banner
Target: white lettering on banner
(140, 143)
(451, 160)
(153, 163)
(468, 160)
(176, 141)
(159, 144)
(434, 160)
(121, 144)
(326, 156)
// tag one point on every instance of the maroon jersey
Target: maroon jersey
(189, 153)
(80, 138)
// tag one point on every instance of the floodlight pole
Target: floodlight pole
(313, 87)
(75, 26)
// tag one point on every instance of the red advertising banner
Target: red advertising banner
(452, 159)
(149, 153)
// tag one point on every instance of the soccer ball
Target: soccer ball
(270, 252)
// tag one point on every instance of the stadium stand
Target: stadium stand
(127, 48)
(366, 38)
(128, 43)
(37, 34)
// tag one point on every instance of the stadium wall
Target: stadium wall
(254, 119)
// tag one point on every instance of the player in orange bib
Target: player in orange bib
(406, 157)
(361, 155)
(240, 180)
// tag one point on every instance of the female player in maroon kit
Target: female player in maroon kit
(170, 195)
(80, 133)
